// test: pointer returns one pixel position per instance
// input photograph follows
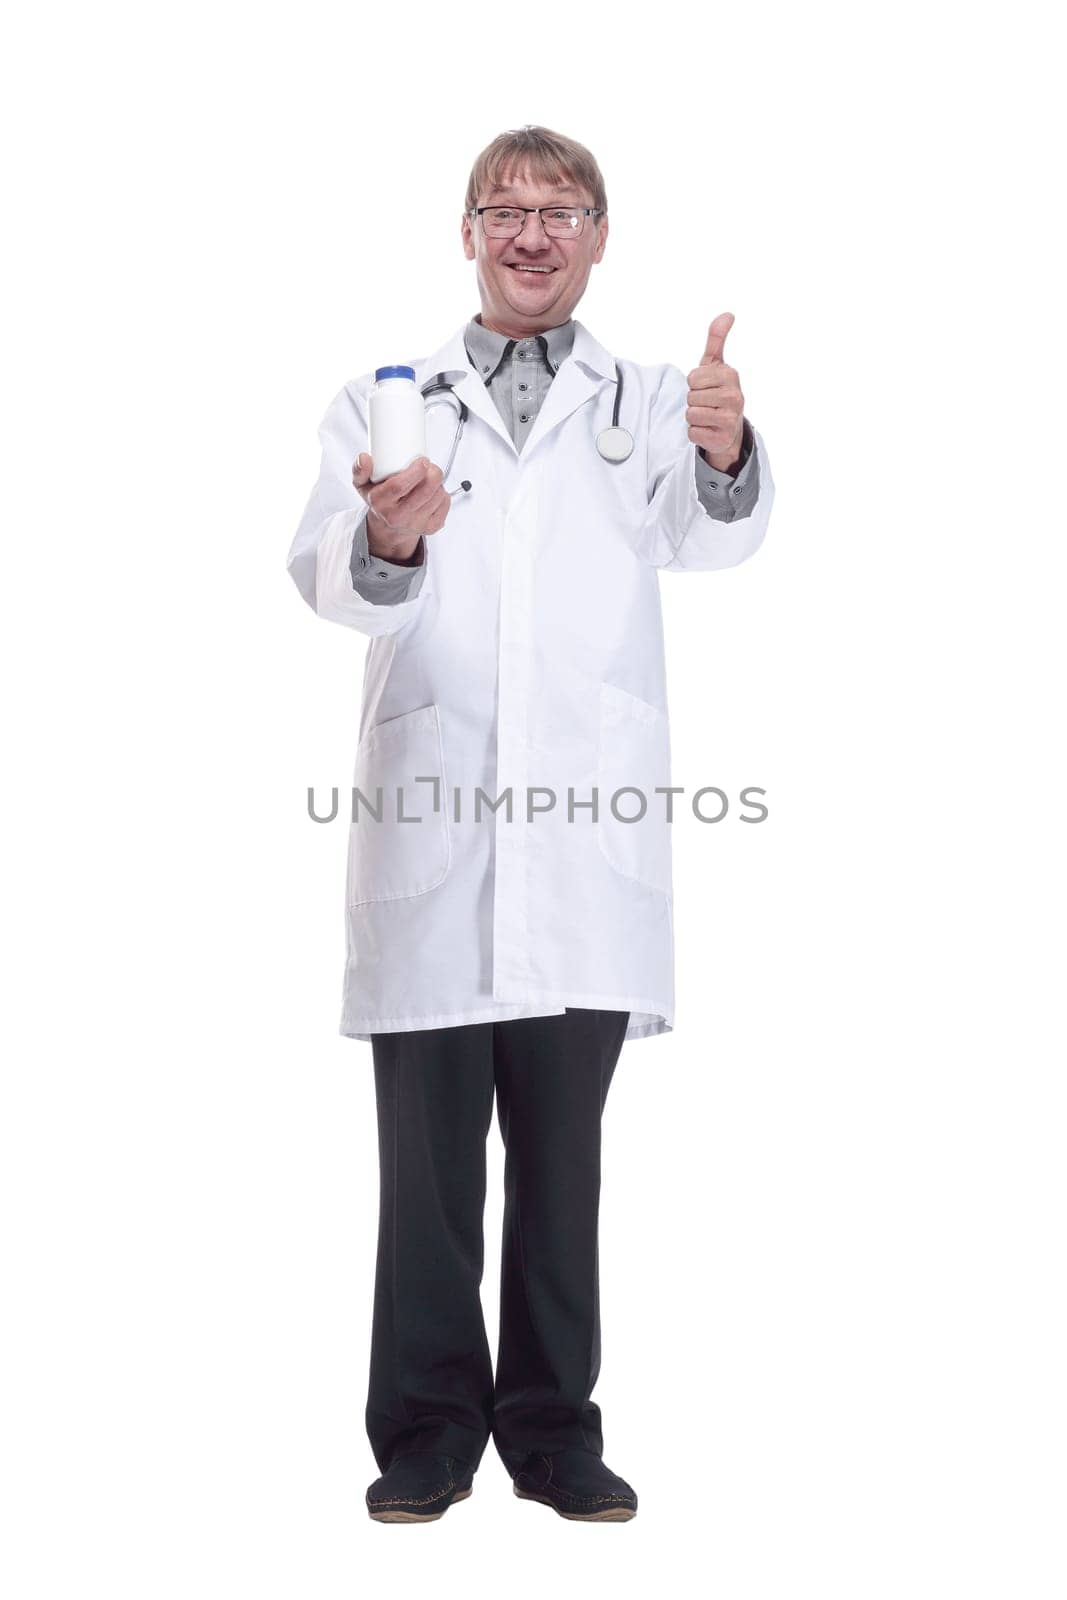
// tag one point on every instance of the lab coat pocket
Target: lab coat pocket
(399, 843)
(634, 754)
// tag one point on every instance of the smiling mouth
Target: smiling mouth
(530, 272)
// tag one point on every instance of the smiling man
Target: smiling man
(509, 906)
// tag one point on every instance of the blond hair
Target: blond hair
(548, 157)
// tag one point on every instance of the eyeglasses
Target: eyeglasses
(559, 222)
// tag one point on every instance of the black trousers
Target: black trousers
(432, 1385)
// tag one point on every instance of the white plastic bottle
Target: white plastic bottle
(397, 421)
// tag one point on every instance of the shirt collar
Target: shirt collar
(487, 348)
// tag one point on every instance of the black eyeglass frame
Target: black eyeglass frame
(504, 205)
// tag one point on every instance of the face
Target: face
(519, 303)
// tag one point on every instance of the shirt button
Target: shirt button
(363, 561)
(522, 355)
(524, 417)
(485, 368)
(383, 575)
(737, 491)
(522, 387)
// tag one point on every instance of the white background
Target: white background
(832, 1244)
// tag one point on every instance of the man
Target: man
(516, 657)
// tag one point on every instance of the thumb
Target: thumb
(717, 338)
(362, 469)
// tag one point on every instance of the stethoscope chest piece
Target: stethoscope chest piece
(615, 444)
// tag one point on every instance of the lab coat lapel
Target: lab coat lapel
(452, 357)
(579, 378)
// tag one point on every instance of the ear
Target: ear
(467, 236)
(602, 225)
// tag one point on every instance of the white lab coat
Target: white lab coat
(531, 658)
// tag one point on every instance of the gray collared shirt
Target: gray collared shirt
(517, 373)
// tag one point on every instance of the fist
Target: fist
(403, 506)
(715, 407)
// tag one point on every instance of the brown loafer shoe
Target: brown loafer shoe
(577, 1485)
(419, 1487)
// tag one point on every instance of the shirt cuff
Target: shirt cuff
(723, 496)
(385, 582)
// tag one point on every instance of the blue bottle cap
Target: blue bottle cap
(394, 372)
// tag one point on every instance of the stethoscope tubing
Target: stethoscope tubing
(440, 386)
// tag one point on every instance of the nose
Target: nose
(533, 232)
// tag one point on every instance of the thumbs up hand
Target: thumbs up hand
(716, 406)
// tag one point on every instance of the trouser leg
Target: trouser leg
(552, 1079)
(431, 1381)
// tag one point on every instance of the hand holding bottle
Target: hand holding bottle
(403, 506)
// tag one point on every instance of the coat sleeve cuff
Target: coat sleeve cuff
(335, 596)
(379, 581)
(725, 496)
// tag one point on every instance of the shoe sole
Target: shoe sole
(414, 1516)
(612, 1514)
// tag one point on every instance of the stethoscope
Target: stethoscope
(614, 444)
